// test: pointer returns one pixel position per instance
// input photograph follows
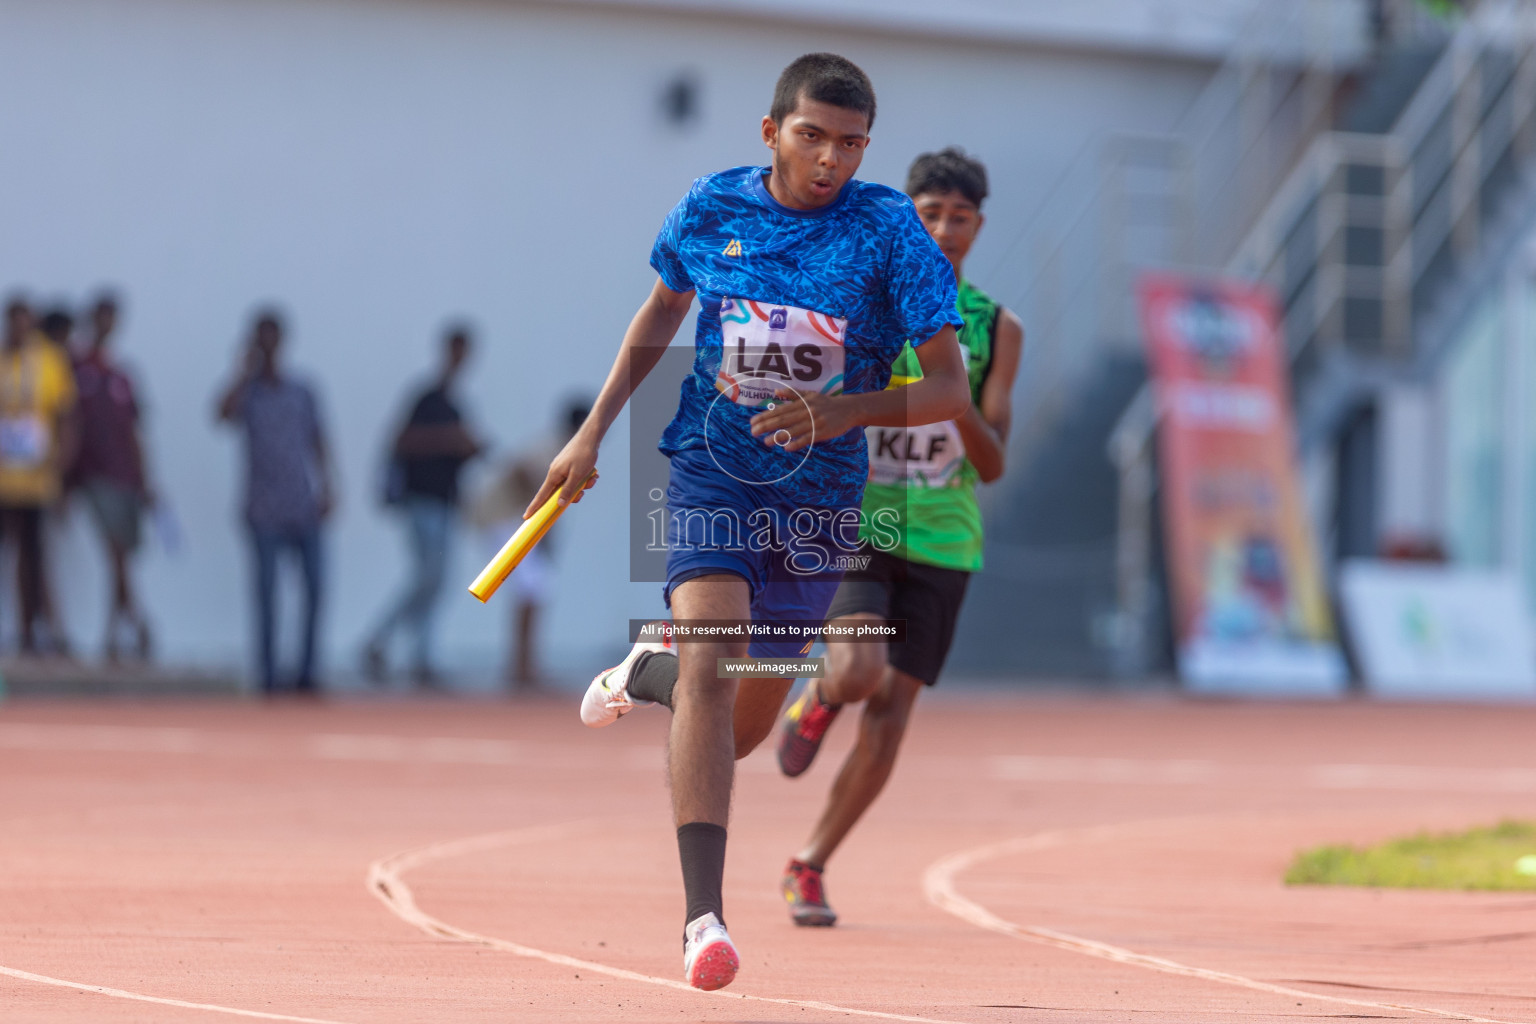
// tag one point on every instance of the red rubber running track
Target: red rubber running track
(1034, 859)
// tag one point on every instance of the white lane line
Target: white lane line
(430, 749)
(1005, 767)
(1416, 777)
(117, 993)
(939, 887)
(386, 883)
(1110, 770)
(358, 747)
(1118, 771)
(107, 738)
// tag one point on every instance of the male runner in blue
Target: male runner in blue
(808, 283)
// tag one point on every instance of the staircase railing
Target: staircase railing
(1181, 198)
(1361, 239)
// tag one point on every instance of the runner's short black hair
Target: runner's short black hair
(951, 169)
(825, 78)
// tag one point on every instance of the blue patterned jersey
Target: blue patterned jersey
(813, 299)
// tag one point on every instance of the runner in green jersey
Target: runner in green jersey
(921, 478)
(922, 540)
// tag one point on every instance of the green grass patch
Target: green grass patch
(1501, 857)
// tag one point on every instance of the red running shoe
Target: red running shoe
(806, 898)
(805, 724)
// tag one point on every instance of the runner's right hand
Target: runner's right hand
(576, 462)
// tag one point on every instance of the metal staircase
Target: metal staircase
(1129, 202)
(1369, 243)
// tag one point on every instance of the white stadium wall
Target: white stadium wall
(377, 167)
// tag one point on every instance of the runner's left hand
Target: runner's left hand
(799, 419)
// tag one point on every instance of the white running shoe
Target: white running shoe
(709, 957)
(607, 697)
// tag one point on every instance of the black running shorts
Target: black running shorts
(926, 596)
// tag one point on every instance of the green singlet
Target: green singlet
(920, 501)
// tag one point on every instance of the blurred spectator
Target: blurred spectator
(425, 460)
(499, 510)
(287, 488)
(109, 472)
(38, 437)
(57, 325)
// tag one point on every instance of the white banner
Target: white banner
(1439, 632)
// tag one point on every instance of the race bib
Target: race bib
(764, 347)
(23, 440)
(926, 456)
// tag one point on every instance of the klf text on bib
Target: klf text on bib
(926, 456)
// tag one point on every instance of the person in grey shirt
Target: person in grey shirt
(287, 488)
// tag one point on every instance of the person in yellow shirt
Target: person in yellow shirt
(37, 438)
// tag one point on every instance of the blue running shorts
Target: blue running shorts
(791, 555)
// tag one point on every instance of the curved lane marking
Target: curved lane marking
(385, 882)
(939, 887)
(117, 993)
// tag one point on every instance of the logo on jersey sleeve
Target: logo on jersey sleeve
(734, 249)
(764, 347)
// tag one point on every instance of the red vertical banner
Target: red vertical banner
(1250, 611)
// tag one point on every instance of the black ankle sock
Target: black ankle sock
(701, 848)
(654, 677)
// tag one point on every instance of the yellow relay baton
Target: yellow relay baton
(519, 544)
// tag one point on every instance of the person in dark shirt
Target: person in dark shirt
(426, 458)
(57, 325)
(287, 488)
(109, 473)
